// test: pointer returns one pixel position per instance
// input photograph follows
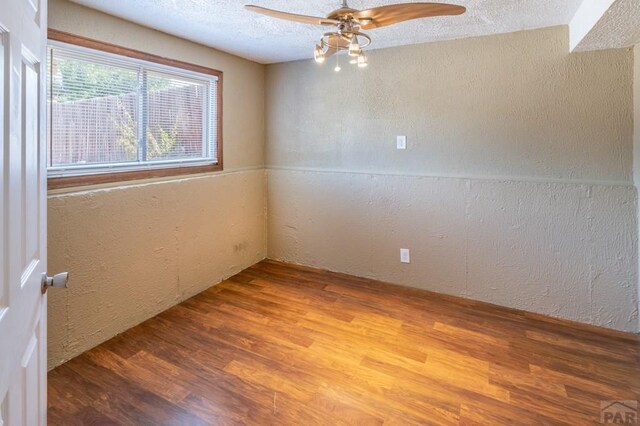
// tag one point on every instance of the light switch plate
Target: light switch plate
(405, 256)
(401, 142)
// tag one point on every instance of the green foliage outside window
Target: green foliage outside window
(157, 147)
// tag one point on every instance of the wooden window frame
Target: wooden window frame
(59, 182)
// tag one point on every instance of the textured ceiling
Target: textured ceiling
(226, 25)
(619, 27)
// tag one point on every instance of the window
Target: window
(117, 114)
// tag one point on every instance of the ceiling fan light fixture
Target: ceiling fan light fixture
(354, 46)
(318, 54)
(347, 38)
(362, 60)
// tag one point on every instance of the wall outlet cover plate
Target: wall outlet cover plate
(405, 256)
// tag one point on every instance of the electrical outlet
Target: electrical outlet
(405, 256)
(401, 142)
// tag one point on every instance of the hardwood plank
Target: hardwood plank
(284, 344)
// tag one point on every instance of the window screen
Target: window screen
(109, 113)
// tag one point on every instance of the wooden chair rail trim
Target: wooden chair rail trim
(110, 177)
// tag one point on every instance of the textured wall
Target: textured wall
(515, 105)
(636, 136)
(136, 249)
(636, 109)
(516, 187)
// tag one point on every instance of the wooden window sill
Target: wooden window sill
(102, 178)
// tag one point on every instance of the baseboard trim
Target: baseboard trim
(417, 293)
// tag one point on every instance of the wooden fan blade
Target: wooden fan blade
(292, 16)
(394, 13)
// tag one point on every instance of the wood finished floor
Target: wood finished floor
(285, 345)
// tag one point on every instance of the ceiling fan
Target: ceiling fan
(349, 23)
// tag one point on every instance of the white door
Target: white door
(23, 252)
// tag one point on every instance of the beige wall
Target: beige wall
(636, 137)
(516, 187)
(134, 250)
(636, 109)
